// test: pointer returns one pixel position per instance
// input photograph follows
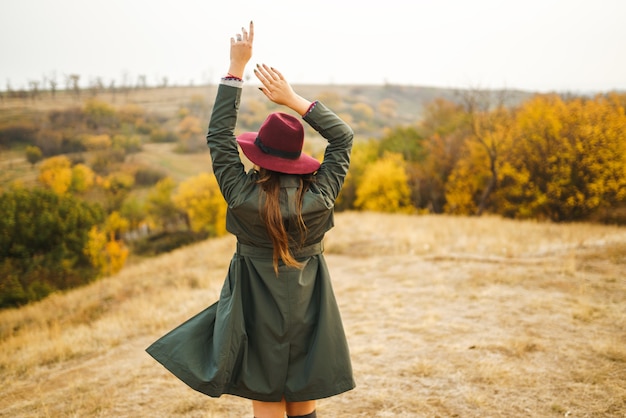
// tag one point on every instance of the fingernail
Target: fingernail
(260, 89)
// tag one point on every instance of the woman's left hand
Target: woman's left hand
(278, 89)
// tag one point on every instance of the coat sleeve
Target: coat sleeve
(334, 168)
(227, 166)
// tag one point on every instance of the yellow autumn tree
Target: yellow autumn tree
(490, 124)
(115, 250)
(444, 129)
(55, 173)
(568, 158)
(160, 207)
(106, 253)
(600, 142)
(117, 186)
(518, 195)
(467, 180)
(364, 154)
(116, 225)
(200, 198)
(117, 253)
(94, 249)
(384, 186)
(83, 178)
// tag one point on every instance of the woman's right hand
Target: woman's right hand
(241, 51)
(278, 90)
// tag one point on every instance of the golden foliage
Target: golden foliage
(118, 182)
(116, 224)
(363, 155)
(56, 173)
(116, 253)
(160, 206)
(95, 248)
(466, 181)
(106, 254)
(117, 185)
(571, 155)
(384, 186)
(83, 178)
(200, 198)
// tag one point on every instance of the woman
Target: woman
(275, 335)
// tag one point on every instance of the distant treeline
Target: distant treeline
(550, 158)
(49, 85)
(91, 206)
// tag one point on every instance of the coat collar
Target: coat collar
(289, 180)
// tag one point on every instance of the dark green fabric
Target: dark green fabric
(269, 336)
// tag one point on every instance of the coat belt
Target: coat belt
(264, 252)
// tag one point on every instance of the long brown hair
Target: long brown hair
(271, 215)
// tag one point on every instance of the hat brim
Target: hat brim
(304, 164)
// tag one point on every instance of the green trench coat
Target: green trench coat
(268, 336)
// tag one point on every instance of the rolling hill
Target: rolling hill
(445, 316)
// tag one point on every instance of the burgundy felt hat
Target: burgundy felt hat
(278, 146)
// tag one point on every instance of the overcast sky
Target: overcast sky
(539, 45)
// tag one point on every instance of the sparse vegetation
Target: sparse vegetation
(445, 316)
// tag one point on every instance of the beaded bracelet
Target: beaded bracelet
(231, 77)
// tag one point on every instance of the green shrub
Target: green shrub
(42, 241)
(14, 133)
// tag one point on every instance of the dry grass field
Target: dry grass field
(445, 316)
